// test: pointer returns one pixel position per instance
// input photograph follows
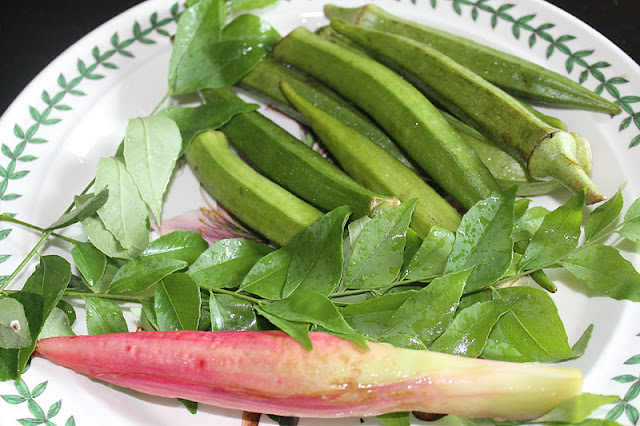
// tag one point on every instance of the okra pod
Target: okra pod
(513, 74)
(400, 109)
(376, 168)
(265, 80)
(269, 372)
(547, 152)
(294, 165)
(260, 203)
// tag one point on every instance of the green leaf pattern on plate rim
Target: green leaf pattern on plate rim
(27, 136)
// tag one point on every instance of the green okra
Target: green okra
(265, 80)
(333, 36)
(513, 74)
(294, 165)
(260, 203)
(376, 168)
(548, 152)
(506, 169)
(398, 107)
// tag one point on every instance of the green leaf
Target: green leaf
(396, 419)
(200, 24)
(483, 241)
(87, 208)
(299, 331)
(139, 274)
(210, 116)
(177, 303)
(426, 315)
(214, 60)
(576, 409)
(13, 362)
(14, 327)
(268, 275)
(57, 324)
(558, 234)
(125, 213)
(604, 270)
(377, 256)
(431, 257)
(526, 226)
(105, 316)
(240, 5)
(90, 261)
(229, 313)
(49, 280)
(603, 216)
(151, 147)
(104, 240)
(469, 330)
(533, 327)
(316, 255)
(181, 245)
(370, 317)
(227, 262)
(631, 227)
(313, 308)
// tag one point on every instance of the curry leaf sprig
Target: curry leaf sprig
(372, 285)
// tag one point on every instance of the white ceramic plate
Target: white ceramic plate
(75, 111)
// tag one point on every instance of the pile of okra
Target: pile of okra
(405, 112)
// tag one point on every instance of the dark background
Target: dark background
(32, 34)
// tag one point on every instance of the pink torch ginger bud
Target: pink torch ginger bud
(269, 372)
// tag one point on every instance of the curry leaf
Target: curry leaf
(139, 274)
(426, 314)
(91, 263)
(297, 330)
(470, 329)
(605, 270)
(603, 216)
(312, 308)
(229, 313)
(105, 316)
(576, 409)
(125, 213)
(316, 255)
(377, 256)
(533, 327)
(177, 303)
(370, 317)
(57, 324)
(226, 262)
(88, 207)
(14, 327)
(151, 148)
(199, 25)
(210, 116)
(214, 61)
(104, 240)
(483, 241)
(267, 276)
(180, 245)
(431, 257)
(558, 234)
